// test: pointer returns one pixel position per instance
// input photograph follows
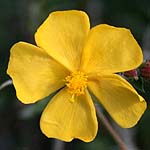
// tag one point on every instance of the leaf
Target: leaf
(138, 84)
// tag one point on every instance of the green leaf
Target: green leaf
(138, 84)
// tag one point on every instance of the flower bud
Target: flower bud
(131, 74)
(145, 70)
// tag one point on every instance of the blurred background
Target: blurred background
(19, 20)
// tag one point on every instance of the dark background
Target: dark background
(19, 20)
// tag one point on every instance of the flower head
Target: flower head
(71, 57)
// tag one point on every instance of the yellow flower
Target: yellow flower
(71, 57)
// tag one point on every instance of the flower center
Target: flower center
(76, 83)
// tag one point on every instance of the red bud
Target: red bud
(145, 70)
(131, 74)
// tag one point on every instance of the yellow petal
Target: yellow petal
(110, 49)
(34, 73)
(66, 120)
(62, 35)
(119, 98)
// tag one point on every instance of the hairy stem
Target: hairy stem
(58, 145)
(110, 128)
(5, 84)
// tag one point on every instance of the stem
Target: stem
(5, 84)
(58, 145)
(110, 128)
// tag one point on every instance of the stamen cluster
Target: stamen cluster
(76, 83)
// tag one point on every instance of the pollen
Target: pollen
(76, 84)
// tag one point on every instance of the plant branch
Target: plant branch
(110, 128)
(5, 84)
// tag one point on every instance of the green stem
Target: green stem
(110, 128)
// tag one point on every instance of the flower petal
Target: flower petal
(65, 120)
(62, 35)
(109, 50)
(34, 73)
(119, 98)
